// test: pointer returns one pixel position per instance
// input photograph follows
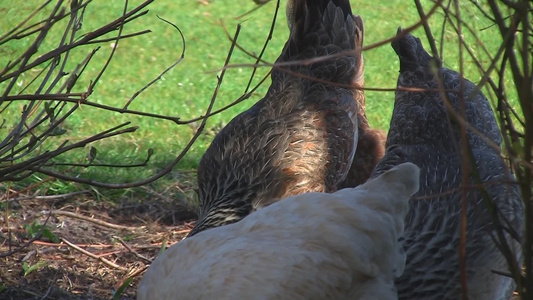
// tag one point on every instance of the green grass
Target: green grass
(186, 90)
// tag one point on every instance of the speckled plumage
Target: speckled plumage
(301, 137)
(422, 132)
(370, 143)
(310, 246)
(370, 150)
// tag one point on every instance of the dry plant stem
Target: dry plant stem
(31, 29)
(167, 169)
(513, 137)
(182, 56)
(494, 60)
(427, 30)
(131, 250)
(21, 141)
(3, 37)
(239, 100)
(488, 201)
(307, 62)
(47, 292)
(89, 219)
(26, 244)
(269, 37)
(117, 40)
(6, 218)
(71, 30)
(447, 11)
(81, 98)
(133, 275)
(484, 72)
(247, 93)
(34, 163)
(142, 164)
(523, 80)
(251, 10)
(30, 187)
(483, 11)
(13, 135)
(124, 36)
(82, 41)
(25, 57)
(59, 245)
(464, 165)
(103, 260)
(230, 38)
(51, 197)
(469, 164)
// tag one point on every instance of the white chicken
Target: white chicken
(310, 246)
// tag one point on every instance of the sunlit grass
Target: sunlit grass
(186, 90)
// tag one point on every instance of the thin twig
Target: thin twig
(269, 37)
(19, 25)
(92, 220)
(87, 38)
(113, 50)
(50, 197)
(102, 259)
(306, 62)
(48, 291)
(29, 242)
(59, 245)
(131, 250)
(427, 29)
(182, 56)
(80, 98)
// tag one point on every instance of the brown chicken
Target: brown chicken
(370, 149)
(302, 136)
(370, 144)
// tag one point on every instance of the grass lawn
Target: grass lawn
(186, 90)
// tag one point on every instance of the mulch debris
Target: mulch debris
(93, 248)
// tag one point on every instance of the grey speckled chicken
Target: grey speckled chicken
(422, 132)
(301, 137)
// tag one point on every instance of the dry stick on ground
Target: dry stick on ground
(50, 197)
(131, 250)
(48, 291)
(29, 242)
(79, 245)
(103, 260)
(92, 220)
(132, 275)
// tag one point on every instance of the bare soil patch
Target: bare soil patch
(100, 244)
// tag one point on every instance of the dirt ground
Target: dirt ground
(99, 244)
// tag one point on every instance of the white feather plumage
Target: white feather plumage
(311, 246)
